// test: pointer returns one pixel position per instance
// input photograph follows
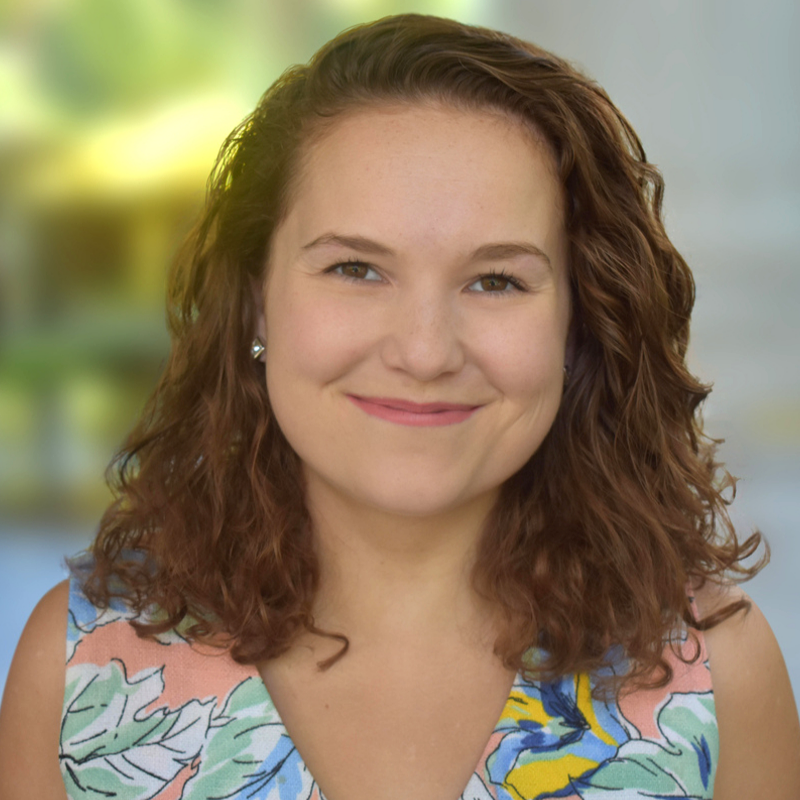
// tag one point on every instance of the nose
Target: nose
(422, 336)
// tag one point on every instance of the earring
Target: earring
(566, 375)
(257, 348)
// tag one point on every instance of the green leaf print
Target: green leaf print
(248, 753)
(682, 765)
(117, 749)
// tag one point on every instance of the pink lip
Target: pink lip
(405, 412)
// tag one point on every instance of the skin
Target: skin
(415, 324)
(398, 510)
(418, 324)
(759, 729)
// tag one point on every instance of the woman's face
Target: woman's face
(380, 299)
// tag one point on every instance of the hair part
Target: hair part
(592, 543)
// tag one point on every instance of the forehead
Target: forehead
(383, 128)
(427, 170)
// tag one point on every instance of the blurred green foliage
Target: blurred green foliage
(111, 113)
(99, 55)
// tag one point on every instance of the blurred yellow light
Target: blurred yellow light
(90, 406)
(167, 150)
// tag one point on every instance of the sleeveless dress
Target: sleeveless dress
(166, 719)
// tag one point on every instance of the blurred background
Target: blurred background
(111, 113)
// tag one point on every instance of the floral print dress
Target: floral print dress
(165, 719)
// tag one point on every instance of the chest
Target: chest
(176, 721)
(383, 731)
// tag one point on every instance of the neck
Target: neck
(388, 577)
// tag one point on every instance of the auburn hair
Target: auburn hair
(591, 545)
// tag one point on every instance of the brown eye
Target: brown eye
(497, 283)
(494, 283)
(355, 271)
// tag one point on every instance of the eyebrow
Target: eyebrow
(494, 251)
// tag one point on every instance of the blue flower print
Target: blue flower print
(554, 734)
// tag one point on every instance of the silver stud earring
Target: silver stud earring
(257, 348)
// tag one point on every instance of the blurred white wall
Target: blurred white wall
(713, 89)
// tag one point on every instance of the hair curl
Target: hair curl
(592, 542)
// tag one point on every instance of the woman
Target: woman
(425, 456)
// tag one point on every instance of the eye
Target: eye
(355, 271)
(497, 283)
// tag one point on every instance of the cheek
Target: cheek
(524, 356)
(309, 341)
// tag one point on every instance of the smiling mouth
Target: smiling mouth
(405, 412)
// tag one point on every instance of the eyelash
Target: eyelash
(518, 285)
(502, 275)
(350, 262)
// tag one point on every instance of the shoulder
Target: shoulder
(30, 715)
(756, 711)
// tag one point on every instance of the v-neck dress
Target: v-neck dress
(167, 719)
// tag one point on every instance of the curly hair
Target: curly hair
(591, 544)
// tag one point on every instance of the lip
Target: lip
(406, 412)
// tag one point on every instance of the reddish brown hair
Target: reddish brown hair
(592, 543)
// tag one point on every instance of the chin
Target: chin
(415, 498)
